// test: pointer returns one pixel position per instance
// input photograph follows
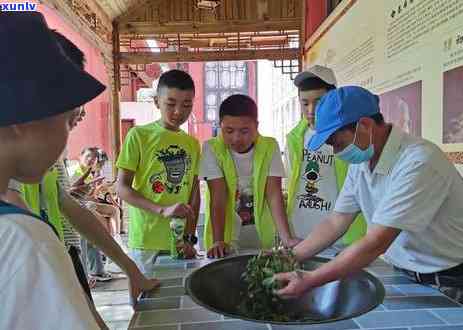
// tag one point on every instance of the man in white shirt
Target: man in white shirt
(243, 170)
(38, 284)
(409, 193)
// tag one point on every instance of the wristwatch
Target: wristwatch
(190, 238)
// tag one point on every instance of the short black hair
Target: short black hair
(102, 156)
(314, 83)
(93, 150)
(238, 105)
(175, 79)
(377, 118)
(70, 50)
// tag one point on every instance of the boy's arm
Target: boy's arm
(134, 198)
(218, 200)
(194, 202)
(274, 198)
(88, 225)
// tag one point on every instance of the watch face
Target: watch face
(191, 239)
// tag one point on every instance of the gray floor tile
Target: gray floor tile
(341, 325)
(160, 303)
(169, 291)
(159, 327)
(396, 279)
(452, 316)
(225, 325)
(382, 271)
(187, 302)
(176, 316)
(111, 298)
(178, 281)
(391, 291)
(397, 319)
(120, 325)
(421, 302)
(116, 312)
(418, 290)
(440, 327)
(380, 308)
(171, 273)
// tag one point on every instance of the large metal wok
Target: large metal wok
(217, 287)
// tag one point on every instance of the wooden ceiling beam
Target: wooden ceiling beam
(205, 56)
(231, 26)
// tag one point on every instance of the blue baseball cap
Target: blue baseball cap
(341, 107)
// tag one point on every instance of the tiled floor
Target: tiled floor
(407, 306)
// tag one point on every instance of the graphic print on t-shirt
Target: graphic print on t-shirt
(245, 205)
(312, 175)
(176, 163)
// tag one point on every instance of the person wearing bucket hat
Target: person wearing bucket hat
(405, 186)
(314, 178)
(53, 196)
(38, 96)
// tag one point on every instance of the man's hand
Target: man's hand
(295, 284)
(138, 283)
(178, 210)
(220, 249)
(189, 252)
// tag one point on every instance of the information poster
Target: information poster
(410, 53)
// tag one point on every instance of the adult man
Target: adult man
(409, 193)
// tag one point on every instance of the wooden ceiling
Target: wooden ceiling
(234, 30)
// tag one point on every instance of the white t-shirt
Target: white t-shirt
(416, 189)
(37, 281)
(245, 229)
(318, 189)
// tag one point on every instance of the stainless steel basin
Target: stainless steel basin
(217, 287)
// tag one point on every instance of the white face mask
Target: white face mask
(352, 154)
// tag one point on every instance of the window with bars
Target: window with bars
(222, 79)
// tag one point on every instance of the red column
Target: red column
(315, 13)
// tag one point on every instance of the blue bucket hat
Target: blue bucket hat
(37, 79)
(341, 107)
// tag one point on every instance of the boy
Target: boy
(315, 178)
(243, 171)
(51, 198)
(34, 127)
(158, 174)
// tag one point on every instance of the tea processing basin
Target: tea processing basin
(218, 287)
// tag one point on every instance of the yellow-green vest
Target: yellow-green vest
(31, 195)
(295, 142)
(264, 149)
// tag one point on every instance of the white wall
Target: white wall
(279, 109)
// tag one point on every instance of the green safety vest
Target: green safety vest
(295, 141)
(264, 149)
(45, 196)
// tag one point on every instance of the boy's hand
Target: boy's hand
(178, 210)
(138, 283)
(220, 249)
(189, 252)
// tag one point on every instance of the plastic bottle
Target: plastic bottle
(177, 229)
